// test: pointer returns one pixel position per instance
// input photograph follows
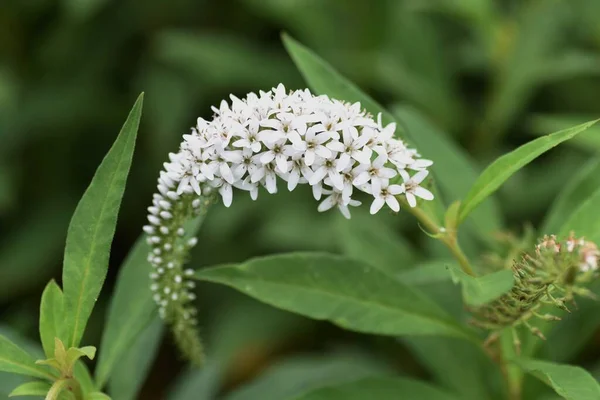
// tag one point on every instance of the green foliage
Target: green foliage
(16, 360)
(504, 167)
(91, 230)
(483, 289)
(351, 294)
(571, 383)
(36, 388)
(51, 317)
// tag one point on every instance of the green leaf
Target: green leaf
(74, 354)
(31, 389)
(502, 169)
(584, 220)
(427, 272)
(572, 383)
(91, 230)
(297, 375)
(367, 238)
(130, 372)
(132, 307)
(580, 187)
(588, 141)
(483, 289)
(351, 294)
(131, 310)
(14, 359)
(453, 167)
(380, 389)
(51, 317)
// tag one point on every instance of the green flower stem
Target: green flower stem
(449, 238)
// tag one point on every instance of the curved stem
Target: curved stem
(448, 238)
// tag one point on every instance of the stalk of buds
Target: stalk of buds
(335, 147)
(551, 275)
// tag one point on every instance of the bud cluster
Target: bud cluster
(552, 275)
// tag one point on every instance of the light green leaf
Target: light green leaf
(502, 169)
(453, 167)
(380, 389)
(83, 376)
(74, 354)
(427, 272)
(572, 383)
(91, 230)
(580, 187)
(588, 141)
(132, 307)
(14, 359)
(584, 220)
(297, 375)
(368, 239)
(51, 317)
(31, 389)
(351, 294)
(130, 372)
(482, 289)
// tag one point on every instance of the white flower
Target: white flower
(411, 187)
(384, 193)
(376, 170)
(339, 200)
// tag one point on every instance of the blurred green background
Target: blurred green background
(490, 75)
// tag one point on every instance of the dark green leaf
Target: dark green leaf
(16, 360)
(572, 383)
(351, 294)
(91, 230)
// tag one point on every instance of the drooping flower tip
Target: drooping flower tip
(333, 146)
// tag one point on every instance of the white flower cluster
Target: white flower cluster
(333, 146)
(588, 251)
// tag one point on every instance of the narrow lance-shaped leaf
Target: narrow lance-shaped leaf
(92, 228)
(31, 389)
(51, 317)
(570, 382)
(504, 167)
(16, 360)
(349, 293)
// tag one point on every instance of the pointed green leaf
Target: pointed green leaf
(580, 187)
(51, 317)
(31, 389)
(572, 383)
(130, 372)
(380, 389)
(584, 220)
(82, 374)
(505, 166)
(349, 293)
(14, 359)
(131, 308)
(91, 230)
(483, 289)
(74, 354)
